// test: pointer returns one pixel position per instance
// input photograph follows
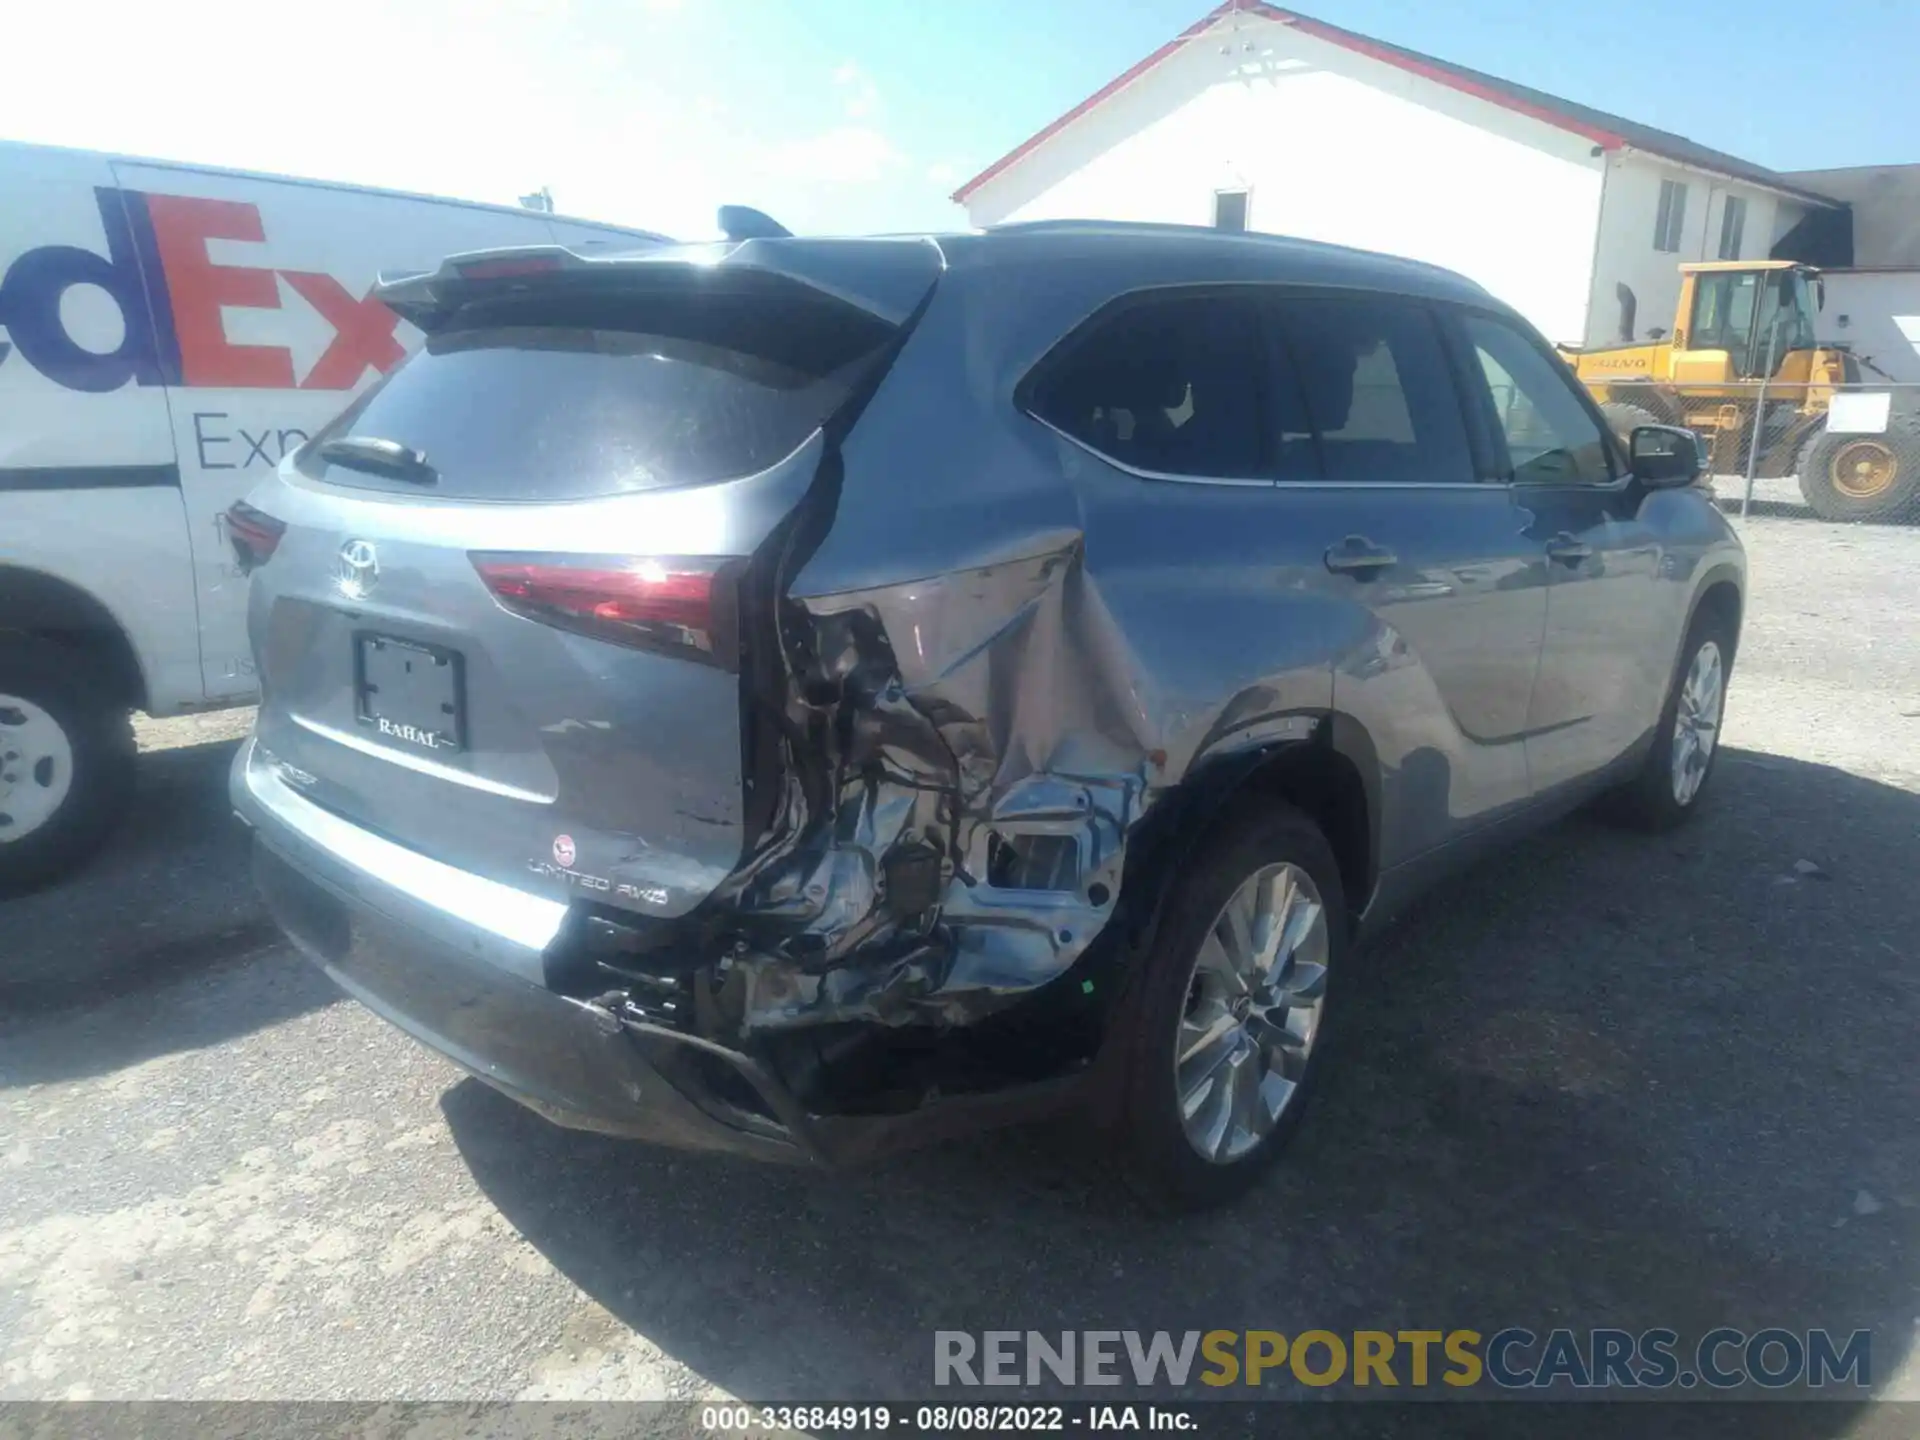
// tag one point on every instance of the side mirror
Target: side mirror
(1664, 457)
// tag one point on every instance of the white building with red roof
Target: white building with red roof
(1265, 119)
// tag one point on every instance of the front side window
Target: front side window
(1723, 306)
(1786, 319)
(1170, 386)
(1755, 316)
(1376, 391)
(1551, 437)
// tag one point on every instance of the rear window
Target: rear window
(1169, 386)
(570, 395)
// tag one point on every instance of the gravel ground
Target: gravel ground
(1601, 1081)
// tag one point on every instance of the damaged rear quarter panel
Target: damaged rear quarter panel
(1050, 645)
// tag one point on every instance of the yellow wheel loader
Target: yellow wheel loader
(1743, 342)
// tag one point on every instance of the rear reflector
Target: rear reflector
(254, 535)
(673, 604)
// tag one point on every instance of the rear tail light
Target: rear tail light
(678, 605)
(254, 535)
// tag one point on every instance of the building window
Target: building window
(1733, 227)
(1230, 210)
(1672, 218)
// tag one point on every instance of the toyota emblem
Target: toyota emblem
(563, 853)
(358, 570)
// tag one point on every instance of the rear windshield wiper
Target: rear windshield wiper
(378, 457)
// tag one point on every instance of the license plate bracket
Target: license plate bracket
(410, 694)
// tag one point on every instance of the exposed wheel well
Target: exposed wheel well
(1722, 601)
(1326, 786)
(32, 603)
(1312, 776)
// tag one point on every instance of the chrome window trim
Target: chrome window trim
(1268, 483)
(1237, 481)
(1394, 485)
(1585, 487)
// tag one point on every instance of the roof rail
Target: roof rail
(1173, 228)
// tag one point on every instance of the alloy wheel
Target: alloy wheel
(1252, 1012)
(1696, 720)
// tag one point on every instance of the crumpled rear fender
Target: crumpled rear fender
(997, 658)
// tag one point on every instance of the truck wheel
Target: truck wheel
(1227, 1028)
(66, 761)
(1864, 477)
(1624, 419)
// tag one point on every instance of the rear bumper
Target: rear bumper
(459, 962)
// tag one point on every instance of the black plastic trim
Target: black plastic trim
(90, 477)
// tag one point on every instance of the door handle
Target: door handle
(1567, 550)
(1360, 557)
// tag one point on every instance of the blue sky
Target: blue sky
(852, 114)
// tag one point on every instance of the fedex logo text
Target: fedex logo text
(170, 295)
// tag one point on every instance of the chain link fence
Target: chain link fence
(1843, 452)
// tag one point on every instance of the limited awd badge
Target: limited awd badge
(565, 852)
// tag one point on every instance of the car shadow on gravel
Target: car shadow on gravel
(1603, 1080)
(159, 944)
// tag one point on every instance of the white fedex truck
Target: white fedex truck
(167, 332)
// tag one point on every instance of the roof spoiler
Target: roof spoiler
(885, 278)
(421, 296)
(743, 222)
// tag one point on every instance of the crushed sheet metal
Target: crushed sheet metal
(993, 705)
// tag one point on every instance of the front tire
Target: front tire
(1673, 778)
(66, 761)
(1229, 1026)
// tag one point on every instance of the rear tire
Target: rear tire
(66, 761)
(1624, 419)
(1864, 477)
(1269, 1065)
(1673, 778)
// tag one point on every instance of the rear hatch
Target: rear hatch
(496, 604)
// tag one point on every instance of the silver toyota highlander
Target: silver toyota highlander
(803, 697)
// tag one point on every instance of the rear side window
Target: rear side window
(575, 394)
(1376, 387)
(1552, 439)
(1170, 386)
